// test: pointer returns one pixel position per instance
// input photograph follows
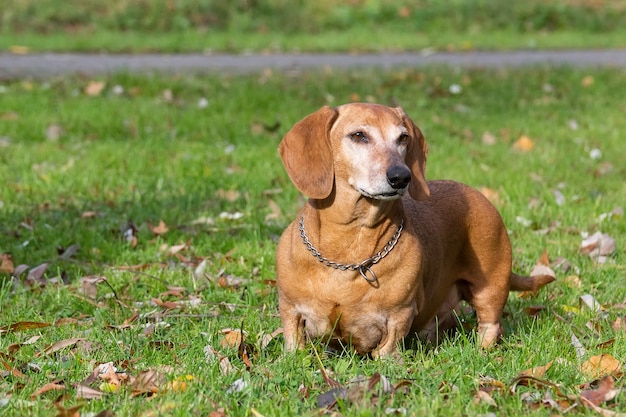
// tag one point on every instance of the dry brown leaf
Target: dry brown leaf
(89, 285)
(148, 382)
(67, 412)
(229, 195)
(604, 392)
(489, 138)
(168, 305)
(484, 397)
(597, 245)
(491, 195)
(94, 88)
(232, 338)
(174, 292)
(533, 310)
(537, 372)
(50, 386)
(619, 325)
(601, 365)
(88, 214)
(23, 325)
(544, 259)
(17, 346)
(173, 250)
(55, 347)
(6, 263)
(223, 361)
(159, 229)
(36, 274)
(524, 144)
(88, 393)
(275, 211)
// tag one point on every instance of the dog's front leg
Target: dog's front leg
(293, 327)
(398, 326)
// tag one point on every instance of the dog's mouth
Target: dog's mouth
(391, 195)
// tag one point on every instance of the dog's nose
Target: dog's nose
(398, 176)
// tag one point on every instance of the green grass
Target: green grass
(147, 148)
(281, 25)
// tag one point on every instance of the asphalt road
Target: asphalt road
(47, 65)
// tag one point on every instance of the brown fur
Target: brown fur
(454, 245)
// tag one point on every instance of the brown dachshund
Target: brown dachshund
(366, 262)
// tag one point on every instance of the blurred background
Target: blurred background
(323, 25)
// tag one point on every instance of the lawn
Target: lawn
(139, 217)
(320, 26)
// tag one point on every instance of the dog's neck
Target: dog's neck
(355, 227)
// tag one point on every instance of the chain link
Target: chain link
(365, 267)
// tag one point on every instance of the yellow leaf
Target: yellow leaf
(601, 365)
(587, 81)
(108, 387)
(19, 49)
(524, 144)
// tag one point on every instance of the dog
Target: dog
(377, 252)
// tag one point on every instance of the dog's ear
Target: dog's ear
(307, 156)
(416, 158)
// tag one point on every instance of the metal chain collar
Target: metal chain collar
(364, 267)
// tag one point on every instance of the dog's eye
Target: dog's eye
(359, 137)
(403, 139)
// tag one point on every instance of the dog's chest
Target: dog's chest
(342, 305)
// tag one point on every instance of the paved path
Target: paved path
(45, 65)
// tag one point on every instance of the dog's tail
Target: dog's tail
(526, 283)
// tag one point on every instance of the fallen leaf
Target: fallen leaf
(524, 144)
(89, 285)
(167, 305)
(578, 347)
(587, 301)
(6, 263)
(229, 195)
(619, 325)
(54, 132)
(601, 365)
(232, 338)
(491, 195)
(605, 392)
(587, 81)
(573, 281)
(36, 274)
(19, 49)
(23, 325)
(533, 310)
(489, 139)
(67, 412)
(88, 393)
(484, 397)
(148, 382)
(212, 355)
(597, 245)
(50, 386)
(160, 229)
(94, 88)
(55, 347)
(537, 372)
(70, 251)
(88, 214)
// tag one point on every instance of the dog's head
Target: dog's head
(375, 149)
